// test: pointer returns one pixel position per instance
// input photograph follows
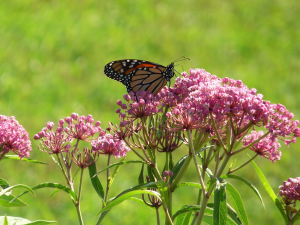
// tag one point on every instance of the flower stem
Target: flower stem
(107, 180)
(157, 216)
(195, 161)
(250, 145)
(77, 204)
(216, 131)
(241, 166)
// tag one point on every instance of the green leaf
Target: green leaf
(114, 174)
(16, 186)
(150, 174)
(270, 191)
(134, 199)
(231, 214)
(189, 184)
(220, 209)
(185, 209)
(119, 164)
(24, 159)
(22, 221)
(53, 185)
(3, 183)
(247, 183)
(127, 195)
(101, 217)
(237, 202)
(95, 181)
(177, 167)
(141, 176)
(183, 219)
(54, 192)
(6, 201)
(5, 218)
(138, 187)
(208, 218)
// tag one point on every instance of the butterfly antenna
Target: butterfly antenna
(181, 59)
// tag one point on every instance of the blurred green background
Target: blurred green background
(52, 55)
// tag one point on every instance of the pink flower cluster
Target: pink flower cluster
(290, 190)
(143, 104)
(78, 127)
(203, 94)
(13, 137)
(266, 147)
(106, 144)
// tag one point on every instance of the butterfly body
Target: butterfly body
(140, 75)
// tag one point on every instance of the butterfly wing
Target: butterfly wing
(139, 75)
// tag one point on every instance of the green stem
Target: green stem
(216, 131)
(220, 171)
(239, 167)
(64, 173)
(107, 180)
(157, 216)
(195, 161)
(77, 204)
(250, 145)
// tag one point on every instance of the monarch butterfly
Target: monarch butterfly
(140, 75)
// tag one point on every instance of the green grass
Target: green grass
(52, 55)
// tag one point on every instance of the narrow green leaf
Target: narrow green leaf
(16, 186)
(220, 209)
(102, 215)
(3, 183)
(114, 174)
(186, 209)
(54, 192)
(134, 199)
(95, 181)
(150, 174)
(231, 214)
(270, 191)
(138, 187)
(237, 202)
(53, 185)
(183, 219)
(189, 184)
(141, 176)
(24, 159)
(208, 217)
(20, 221)
(5, 218)
(119, 164)
(177, 167)
(6, 201)
(122, 198)
(247, 183)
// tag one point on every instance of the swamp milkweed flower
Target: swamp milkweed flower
(13, 136)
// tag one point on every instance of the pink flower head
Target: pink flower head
(78, 127)
(143, 104)
(290, 191)
(266, 147)
(108, 146)
(81, 127)
(13, 136)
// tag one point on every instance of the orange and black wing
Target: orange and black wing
(138, 75)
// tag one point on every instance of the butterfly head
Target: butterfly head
(170, 71)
